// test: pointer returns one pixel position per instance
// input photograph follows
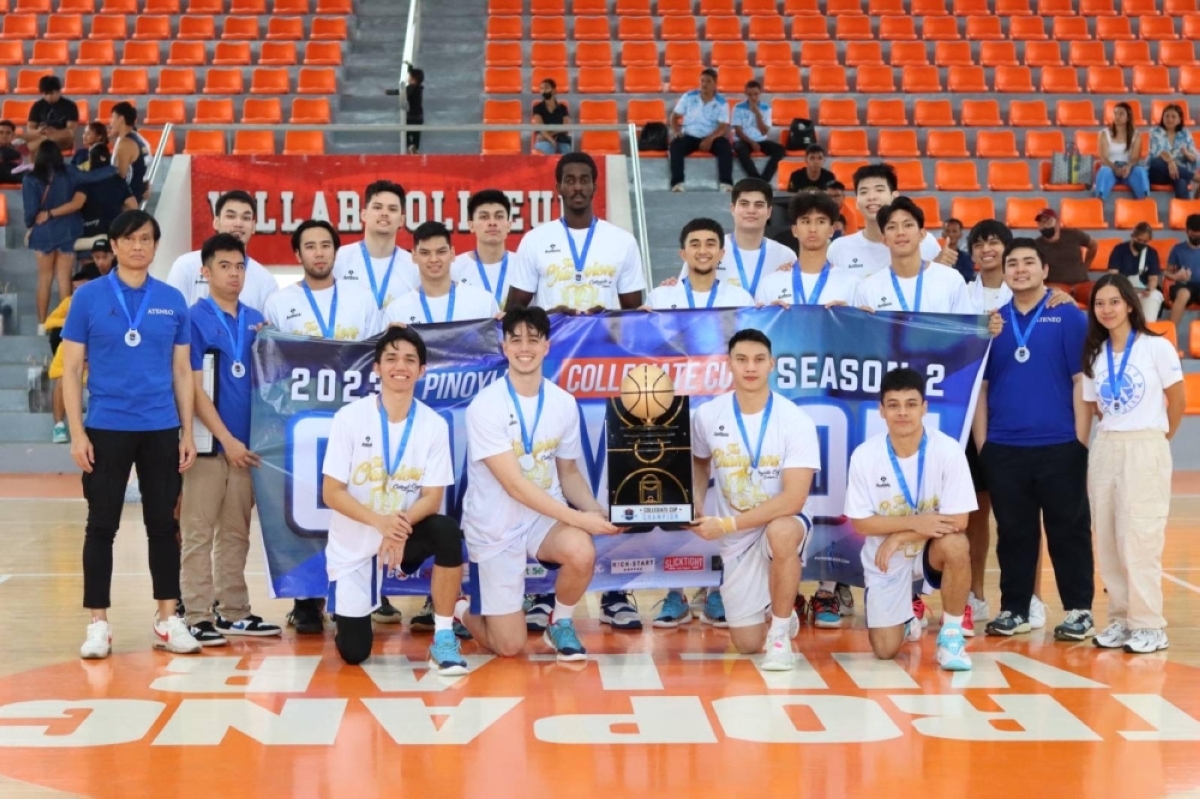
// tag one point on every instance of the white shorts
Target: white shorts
(889, 594)
(746, 581)
(357, 593)
(498, 583)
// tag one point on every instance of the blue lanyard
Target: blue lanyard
(756, 453)
(580, 260)
(750, 286)
(916, 297)
(239, 341)
(798, 295)
(393, 464)
(1023, 338)
(487, 284)
(1115, 377)
(429, 313)
(527, 434)
(913, 502)
(691, 298)
(380, 292)
(327, 331)
(134, 322)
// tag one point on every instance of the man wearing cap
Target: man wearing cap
(1060, 248)
(102, 256)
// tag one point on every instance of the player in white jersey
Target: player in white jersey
(320, 306)
(864, 253)
(377, 264)
(701, 247)
(762, 451)
(234, 215)
(812, 280)
(487, 267)
(522, 444)
(386, 468)
(909, 493)
(438, 298)
(579, 263)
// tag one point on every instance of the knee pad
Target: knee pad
(447, 542)
(354, 638)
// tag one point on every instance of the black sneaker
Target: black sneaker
(206, 634)
(537, 612)
(179, 609)
(1077, 626)
(423, 621)
(251, 625)
(306, 617)
(1008, 624)
(386, 614)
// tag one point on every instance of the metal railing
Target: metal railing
(411, 34)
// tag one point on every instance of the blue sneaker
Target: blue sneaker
(825, 611)
(952, 649)
(714, 610)
(618, 610)
(561, 635)
(444, 655)
(675, 611)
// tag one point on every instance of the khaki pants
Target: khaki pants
(1129, 484)
(215, 521)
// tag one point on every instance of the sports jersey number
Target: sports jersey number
(327, 382)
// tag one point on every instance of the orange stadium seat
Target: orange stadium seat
(760, 7)
(802, 8)
(1028, 114)
(504, 8)
(674, 7)
(334, 7)
(559, 75)
(19, 26)
(65, 26)
(224, 81)
(837, 113)
(996, 144)
(242, 29)
(1107, 80)
(835, 8)
(929, 8)
(1180, 211)
(155, 7)
(1027, 29)
(16, 110)
(134, 54)
(31, 7)
(639, 54)
(1097, 8)
(848, 143)
(827, 79)
(818, 54)
(766, 29)
(158, 28)
(1177, 54)
(1009, 176)
(547, 54)
(304, 142)
(953, 54)
(909, 54)
(132, 80)
(1013, 8)
(629, 28)
(109, 26)
(1158, 106)
(496, 54)
(899, 144)
(1013, 80)
(680, 29)
(1129, 54)
(910, 175)
(844, 170)
(186, 54)
(851, 28)
(1146, 80)
(785, 109)
(50, 54)
(972, 210)
(860, 54)
(981, 113)
(631, 8)
(1085, 214)
(236, 54)
(1138, 8)
(196, 28)
(731, 80)
(501, 81)
(1075, 113)
(1111, 29)
(956, 176)
(27, 80)
(947, 144)
(987, 28)
(886, 8)
(247, 7)
(596, 80)
(593, 54)
(941, 29)
(204, 142)
(1087, 54)
(498, 111)
(210, 7)
(921, 80)
(781, 80)
(723, 54)
(1136, 105)
(1060, 80)
(265, 80)
(1044, 143)
(807, 29)
(1104, 250)
(640, 112)
(1087, 142)
(253, 142)
(1055, 8)
(886, 112)
(1128, 213)
(591, 7)
(84, 80)
(213, 112)
(1066, 29)
(310, 111)
(1179, 8)
(876, 79)
(933, 114)
(602, 142)
(327, 29)
(1189, 79)
(999, 54)
(681, 53)
(643, 80)
(773, 54)
(897, 29)
(1021, 213)
(969, 8)
(12, 53)
(505, 28)
(262, 111)
(153, 136)
(933, 214)
(552, 29)
(1156, 29)
(596, 29)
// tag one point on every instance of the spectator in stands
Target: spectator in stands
(131, 153)
(54, 326)
(1138, 261)
(1182, 262)
(952, 232)
(699, 122)
(1173, 153)
(837, 190)
(52, 118)
(1120, 152)
(814, 176)
(52, 204)
(95, 134)
(551, 111)
(839, 228)
(1061, 250)
(752, 127)
(105, 200)
(10, 157)
(414, 99)
(102, 256)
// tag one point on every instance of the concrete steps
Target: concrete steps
(41, 457)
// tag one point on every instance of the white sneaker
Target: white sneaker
(793, 625)
(1115, 636)
(979, 608)
(1037, 614)
(98, 643)
(780, 656)
(913, 630)
(173, 635)
(1143, 642)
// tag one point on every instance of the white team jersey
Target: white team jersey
(350, 269)
(790, 443)
(942, 291)
(357, 317)
(257, 288)
(465, 269)
(668, 298)
(873, 490)
(1139, 402)
(469, 303)
(491, 518)
(839, 287)
(865, 258)
(776, 255)
(355, 456)
(545, 268)
(986, 300)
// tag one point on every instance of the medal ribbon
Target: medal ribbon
(580, 260)
(327, 331)
(380, 292)
(134, 322)
(798, 295)
(691, 298)
(240, 340)
(1115, 376)
(1023, 338)
(913, 502)
(429, 313)
(527, 434)
(756, 453)
(750, 286)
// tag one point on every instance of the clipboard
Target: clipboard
(206, 442)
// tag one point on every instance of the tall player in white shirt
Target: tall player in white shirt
(386, 468)
(701, 247)
(909, 493)
(762, 451)
(812, 280)
(234, 215)
(522, 444)
(377, 264)
(438, 298)
(579, 263)
(490, 266)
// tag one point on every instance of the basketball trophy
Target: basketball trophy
(649, 436)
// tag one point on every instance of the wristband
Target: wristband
(728, 524)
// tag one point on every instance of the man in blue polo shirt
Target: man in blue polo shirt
(700, 121)
(218, 493)
(133, 332)
(1183, 262)
(1030, 425)
(1138, 261)
(752, 134)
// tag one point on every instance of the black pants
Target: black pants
(155, 454)
(1031, 486)
(438, 537)
(683, 146)
(412, 138)
(772, 149)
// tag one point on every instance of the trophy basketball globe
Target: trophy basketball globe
(649, 437)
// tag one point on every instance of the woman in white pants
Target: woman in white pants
(1127, 372)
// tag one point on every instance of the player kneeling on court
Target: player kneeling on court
(522, 446)
(764, 452)
(910, 493)
(386, 468)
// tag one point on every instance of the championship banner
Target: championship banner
(291, 189)
(830, 362)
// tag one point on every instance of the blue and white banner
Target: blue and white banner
(830, 362)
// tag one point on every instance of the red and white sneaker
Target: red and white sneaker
(174, 636)
(919, 611)
(968, 623)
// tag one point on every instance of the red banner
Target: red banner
(291, 189)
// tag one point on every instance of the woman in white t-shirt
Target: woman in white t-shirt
(1127, 372)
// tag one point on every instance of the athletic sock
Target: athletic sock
(951, 621)
(828, 585)
(442, 623)
(779, 625)
(460, 608)
(561, 611)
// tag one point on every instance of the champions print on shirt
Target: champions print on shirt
(386, 494)
(744, 487)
